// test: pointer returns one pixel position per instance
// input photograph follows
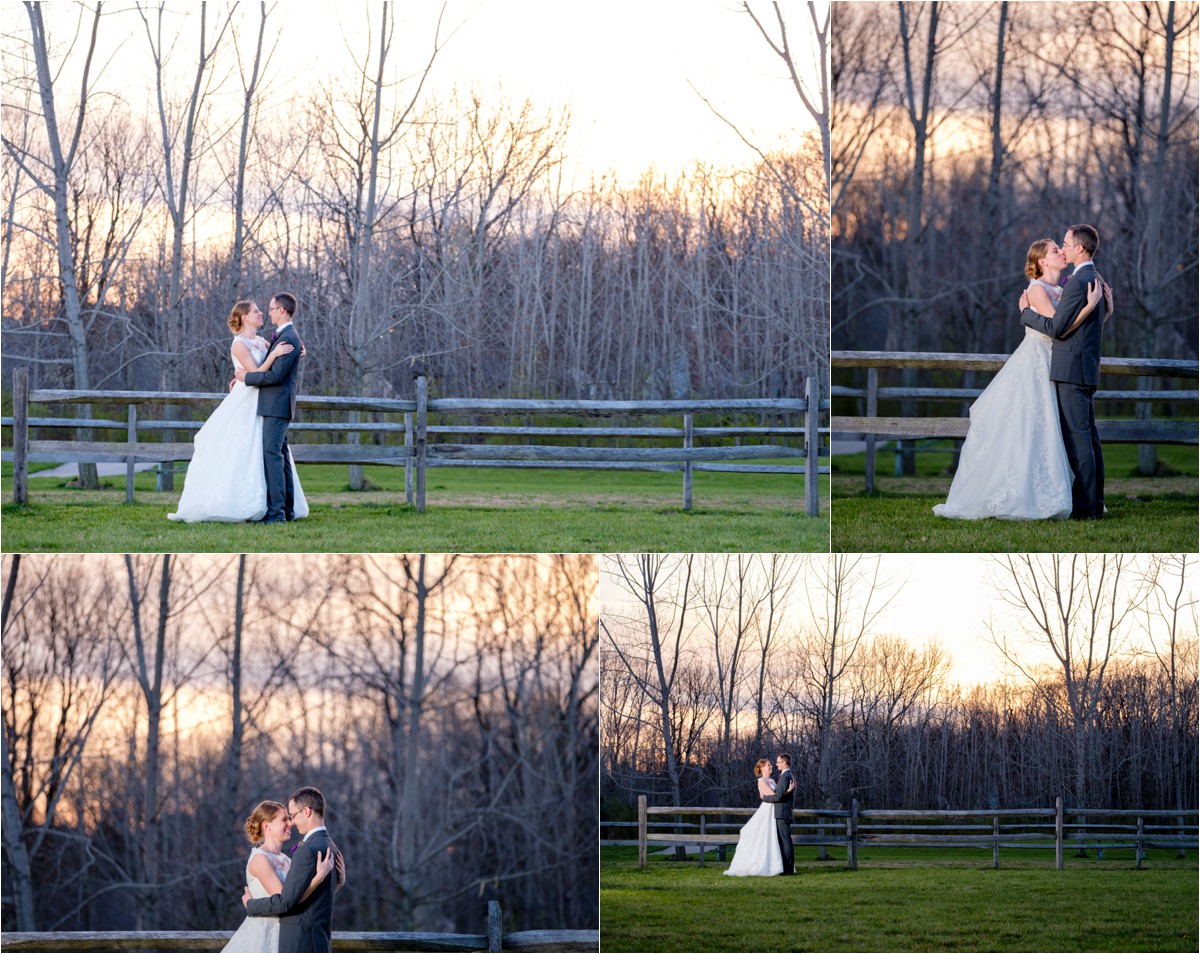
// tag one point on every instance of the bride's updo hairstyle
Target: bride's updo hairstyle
(758, 767)
(263, 811)
(1036, 251)
(239, 311)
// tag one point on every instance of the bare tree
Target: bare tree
(1079, 607)
(651, 645)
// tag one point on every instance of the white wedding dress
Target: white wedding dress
(259, 933)
(1013, 463)
(757, 853)
(225, 480)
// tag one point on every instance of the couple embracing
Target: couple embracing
(1033, 451)
(289, 895)
(764, 845)
(242, 467)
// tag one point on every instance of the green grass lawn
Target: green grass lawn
(466, 511)
(1146, 514)
(898, 901)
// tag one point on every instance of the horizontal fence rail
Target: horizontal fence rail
(428, 445)
(871, 427)
(1047, 829)
(494, 940)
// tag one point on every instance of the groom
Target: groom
(1075, 371)
(304, 925)
(277, 406)
(785, 795)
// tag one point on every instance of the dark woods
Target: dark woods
(445, 706)
(965, 131)
(710, 663)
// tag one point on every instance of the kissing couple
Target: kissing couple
(242, 467)
(1033, 451)
(289, 896)
(764, 845)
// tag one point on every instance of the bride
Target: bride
(1013, 463)
(225, 480)
(758, 851)
(267, 828)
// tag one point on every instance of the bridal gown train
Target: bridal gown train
(757, 853)
(1013, 463)
(225, 480)
(259, 933)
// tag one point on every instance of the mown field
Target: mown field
(1146, 514)
(903, 900)
(466, 511)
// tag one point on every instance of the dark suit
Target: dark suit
(783, 800)
(303, 925)
(1075, 371)
(277, 389)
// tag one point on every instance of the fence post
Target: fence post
(495, 928)
(852, 851)
(641, 831)
(131, 439)
(421, 445)
(687, 464)
(408, 461)
(1140, 853)
(1058, 833)
(812, 446)
(996, 841)
(21, 436)
(703, 831)
(872, 411)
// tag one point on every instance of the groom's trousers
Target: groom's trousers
(277, 468)
(783, 831)
(1077, 415)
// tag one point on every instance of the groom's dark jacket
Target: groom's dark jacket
(279, 384)
(303, 925)
(1075, 360)
(782, 798)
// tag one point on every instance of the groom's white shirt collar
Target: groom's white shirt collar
(1082, 265)
(279, 330)
(312, 831)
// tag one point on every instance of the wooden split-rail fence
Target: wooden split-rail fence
(1058, 829)
(494, 940)
(1184, 428)
(794, 433)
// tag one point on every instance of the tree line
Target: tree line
(446, 707)
(963, 132)
(687, 709)
(412, 229)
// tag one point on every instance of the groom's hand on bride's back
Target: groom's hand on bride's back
(339, 867)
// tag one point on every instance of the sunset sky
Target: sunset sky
(624, 67)
(947, 598)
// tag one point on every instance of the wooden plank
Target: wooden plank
(1147, 367)
(143, 452)
(1111, 432)
(20, 452)
(342, 941)
(812, 506)
(55, 396)
(622, 454)
(969, 394)
(727, 406)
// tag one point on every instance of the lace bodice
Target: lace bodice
(1055, 293)
(766, 786)
(258, 349)
(280, 862)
